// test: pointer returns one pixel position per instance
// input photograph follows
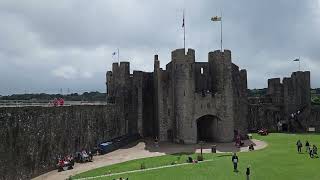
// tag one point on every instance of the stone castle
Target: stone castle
(286, 106)
(187, 102)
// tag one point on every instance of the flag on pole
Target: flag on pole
(184, 32)
(114, 53)
(296, 60)
(216, 18)
(183, 19)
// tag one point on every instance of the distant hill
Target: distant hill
(315, 94)
(257, 92)
(86, 96)
(97, 96)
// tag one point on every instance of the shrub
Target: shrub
(174, 162)
(143, 166)
(200, 158)
(178, 158)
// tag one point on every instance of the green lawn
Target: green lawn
(278, 161)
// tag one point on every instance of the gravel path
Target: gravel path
(142, 149)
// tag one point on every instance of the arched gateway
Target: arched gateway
(207, 128)
(184, 102)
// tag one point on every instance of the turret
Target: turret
(109, 82)
(219, 68)
(125, 68)
(183, 85)
(156, 62)
(179, 55)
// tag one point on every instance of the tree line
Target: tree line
(86, 96)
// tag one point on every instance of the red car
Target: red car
(263, 132)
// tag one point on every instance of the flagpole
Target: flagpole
(118, 56)
(221, 32)
(299, 63)
(184, 34)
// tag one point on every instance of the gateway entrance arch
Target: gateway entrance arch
(208, 128)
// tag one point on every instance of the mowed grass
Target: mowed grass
(278, 161)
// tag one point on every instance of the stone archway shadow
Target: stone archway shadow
(207, 128)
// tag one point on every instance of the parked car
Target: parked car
(116, 143)
(106, 147)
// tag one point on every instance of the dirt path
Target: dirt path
(144, 149)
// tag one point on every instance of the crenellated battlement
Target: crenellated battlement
(179, 55)
(172, 100)
(220, 57)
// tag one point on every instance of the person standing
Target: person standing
(299, 146)
(156, 142)
(307, 146)
(248, 172)
(315, 150)
(235, 161)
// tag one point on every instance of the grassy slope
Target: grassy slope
(277, 162)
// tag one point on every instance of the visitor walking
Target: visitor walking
(156, 142)
(311, 153)
(307, 146)
(299, 146)
(248, 173)
(315, 150)
(235, 161)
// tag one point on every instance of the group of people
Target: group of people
(235, 161)
(84, 155)
(121, 179)
(313, 151)
(57, 102)
(251, 147)
(65, 162)
(239, 142)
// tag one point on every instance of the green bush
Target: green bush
(142, 165)
(178, 158)
(174, 162)
(200, 158)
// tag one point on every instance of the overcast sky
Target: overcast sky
(47, 45)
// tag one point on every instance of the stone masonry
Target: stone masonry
(187, 102)
(287, 104)
(31, 138)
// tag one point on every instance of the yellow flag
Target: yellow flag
(216, 18)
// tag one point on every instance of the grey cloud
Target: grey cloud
(39, 39)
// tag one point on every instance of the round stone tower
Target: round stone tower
(183, 84)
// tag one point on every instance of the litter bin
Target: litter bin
(214, 148)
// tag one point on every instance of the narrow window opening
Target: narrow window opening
(201, 70)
